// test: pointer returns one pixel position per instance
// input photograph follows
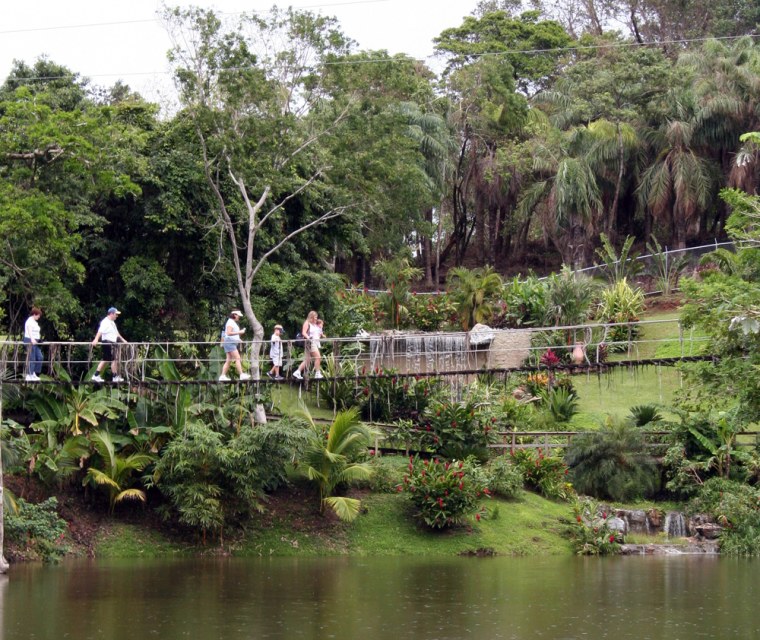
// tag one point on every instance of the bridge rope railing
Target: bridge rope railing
(402, 353)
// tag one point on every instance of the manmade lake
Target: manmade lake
(673, 598)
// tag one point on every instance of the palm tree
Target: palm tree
(396, 274)
(117, 470)
(474, 294)
(565, 193)
(331, 459)
(679, 185)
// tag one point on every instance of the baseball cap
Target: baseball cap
(114, 310)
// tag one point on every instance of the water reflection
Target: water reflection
(420, 598)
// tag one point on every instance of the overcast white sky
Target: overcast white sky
(108, 40)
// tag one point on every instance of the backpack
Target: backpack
(298, 341)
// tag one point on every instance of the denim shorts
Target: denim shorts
(229, 346)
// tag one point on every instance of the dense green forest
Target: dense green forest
(290, 171)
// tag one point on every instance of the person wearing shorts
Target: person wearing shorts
(231, 342)
(275, 353)
(109, 336)
(312, 332)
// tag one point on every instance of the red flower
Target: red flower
(461, 486)
(578, 518)
(372, 452)
(440, 502)
(477, 517)
(604, 515)
(612, 538)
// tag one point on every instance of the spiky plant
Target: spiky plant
(333, 456)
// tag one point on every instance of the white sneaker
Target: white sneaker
(97, 378)
(297, 375)
(318, 375)
(245, 376)
(224, 378)
(30, 377)
(118, 379)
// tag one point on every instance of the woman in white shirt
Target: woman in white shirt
(231, 341)
(32, 338)
(312, 332)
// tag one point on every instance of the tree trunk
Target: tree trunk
(427, 250)
(3, 561)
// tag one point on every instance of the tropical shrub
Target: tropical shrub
(387, 396)
(430, 312)
(386, 473)
(621, 303)
(736, 507)
(545, 474)
(526, 302)
(112, 471)
(211, 479)
(458, 429)
(354, 310)
(560, 402)
(336, 455)
(569, 299)
(643, 414)
(37, 527)
(616, 267)
(474, 294)
(397, 275)
(444, 493)
(590, 532)
(612, 462)
(665, 267)
(504, 477)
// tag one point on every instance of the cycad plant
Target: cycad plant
(612, 463)
(116, 470)
(333, 457)
(474, 293)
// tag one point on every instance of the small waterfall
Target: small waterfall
(413, 348)
(675, 525)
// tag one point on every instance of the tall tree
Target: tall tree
(261, 152)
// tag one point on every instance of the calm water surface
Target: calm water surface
(673, 598)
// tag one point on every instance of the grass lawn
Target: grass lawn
(615, 392)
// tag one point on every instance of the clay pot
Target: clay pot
(579, 354)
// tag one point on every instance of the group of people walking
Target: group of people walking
(108, 336)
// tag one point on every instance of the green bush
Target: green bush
(429, 312)
(612, 463)
(736, 507)
(505, 478)
(386, 474)
(590, 531)
(211, 479)
(458, 429)
(389, 397)
(444, 493)
(38, 527)
(560, 402)
(545, 474)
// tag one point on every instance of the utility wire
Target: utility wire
(401, 58)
